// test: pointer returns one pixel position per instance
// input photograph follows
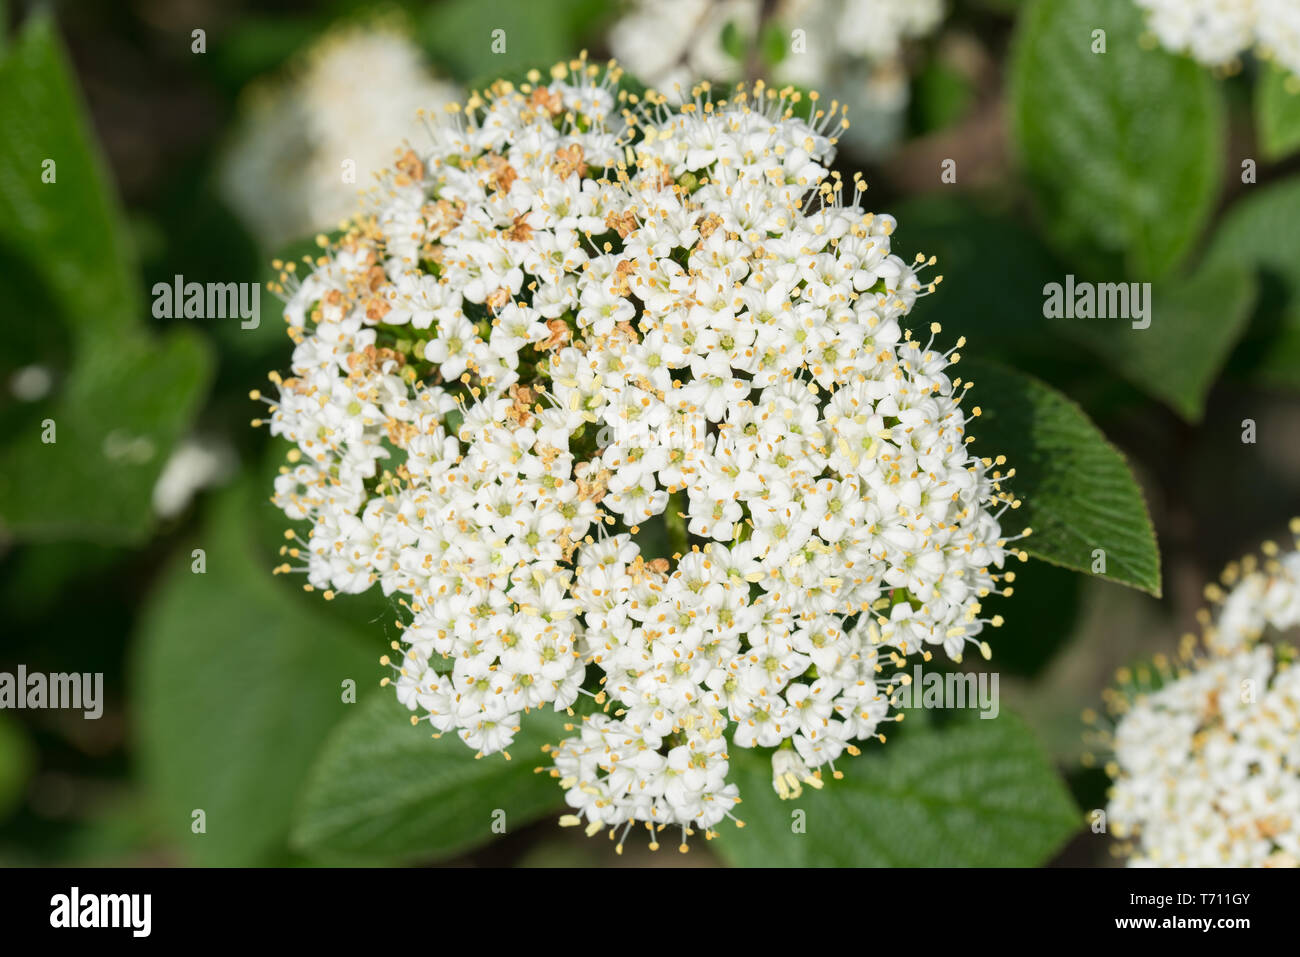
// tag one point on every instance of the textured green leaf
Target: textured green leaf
(385, 792)
(237, 685)
(973, 793)
(1260, 234)
(1077, 491)
(1277, 112)
(1195, 323)
(1122, 147)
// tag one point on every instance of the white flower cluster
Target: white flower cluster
(1217, 32)
(1259, 598)
(850, 47)
(1206, 765)
(878, 29)
(616, 396)
(307, 144)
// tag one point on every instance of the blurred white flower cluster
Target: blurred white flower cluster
(1258, 598)
(1206, 766)
(615, 395)
(852, 49)
(308, 143)
(1217, 32)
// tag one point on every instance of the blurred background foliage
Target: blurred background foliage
(227, 690)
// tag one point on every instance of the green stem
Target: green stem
(674, 518)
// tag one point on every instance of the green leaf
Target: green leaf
(734, 43)
(1077, 491)
(1195, 323)
(941, 95)
(775, 44)
(121, 412)
(71, 229)
(973, 793)
(1122, 148)
(269, 339)
(386, 792)
(236, 686)
(459, 33)
(16, 763)
(120, 400)
(1259, 233)
(1277, 111)
(1039, 618)
(1000, 310)
(256, 44)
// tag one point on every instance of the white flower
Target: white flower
(584, 481)
(1260, 597)
(877, 28)
(308, 143)
(1217, 32)
(1206, 770)
(1278, 33)
(789, 774)
(851, 49)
